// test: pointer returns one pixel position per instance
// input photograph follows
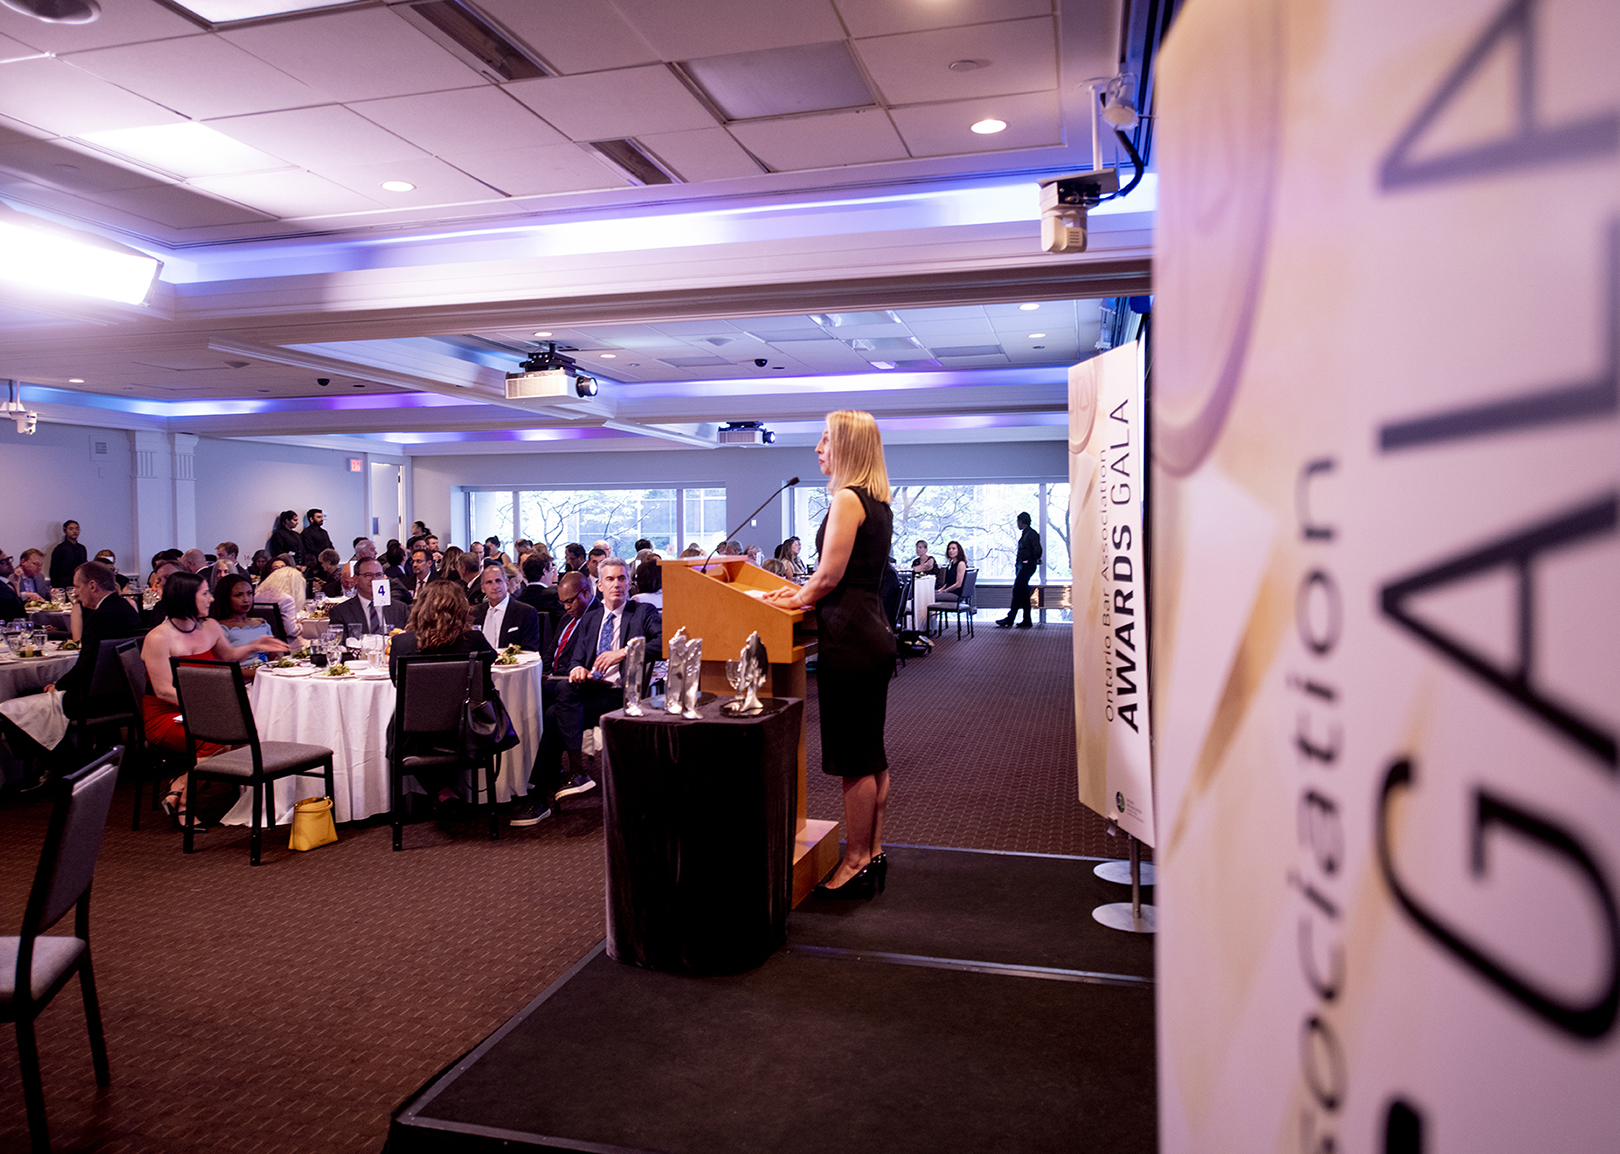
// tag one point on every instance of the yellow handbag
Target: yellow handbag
(312, 824)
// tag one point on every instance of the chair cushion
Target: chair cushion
(54, 955)
(279, 757)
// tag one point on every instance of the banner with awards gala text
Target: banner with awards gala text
(1107, 470)
(1386, 516)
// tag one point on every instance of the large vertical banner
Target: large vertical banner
(1387, 576)
(1107, 473)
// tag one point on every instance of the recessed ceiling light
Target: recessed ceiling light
(609, 356)
(989, 126)
(264, 390)
(542, 334)
(1037, 346)
(1029, 308)
(883, 364)
(75, 380)
(1036, 336)
(398, 186)
(229, 11)
(964, 66)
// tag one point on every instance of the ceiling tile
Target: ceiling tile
(287, 194)
(15, 49)
(539, 171)
(55, 96)
(466, 120)
(59, 163)
(179, 206)
(184, 150)
(822, 141)
(713, 27)
(883, 17)
(572, 35)
(324, 137)
(199, 76)
(358, 55)
(692, 329)
(120, 22)
(701, 154)
(436, 182)
(13, 130)
(609, 105)
(1033, 119)
(1014, 56)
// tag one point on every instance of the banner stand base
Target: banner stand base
(1119, 872)
(1132, 917)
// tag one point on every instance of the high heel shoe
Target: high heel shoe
(880, 866)
(861, 887)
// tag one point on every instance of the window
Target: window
(982, 518)
(705, 522)
(555, 517)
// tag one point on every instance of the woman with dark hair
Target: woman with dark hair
(441, 622)
(492, 551)
(186, 630)
(789, 551)
(285, 537)
(856, 643)
(233, 601)
(648, 583)
(951, 575)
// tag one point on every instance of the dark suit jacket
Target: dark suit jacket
(11, 605)
(544, 599)
(285, 541)
(520, 626)
(65, 558)
(353, 612)
(114, 619)
(640, 620)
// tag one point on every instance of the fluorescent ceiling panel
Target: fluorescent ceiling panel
(187, 149)
(885, 17)
(1013, 56)
(782, 81)
(823, 141)
(226, 11)
(326, 137)
(199, 76)
(725, 26)
(53, 259)
(610, 105)
(56, 96)
(461, 121)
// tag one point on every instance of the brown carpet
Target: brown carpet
(291, 1007)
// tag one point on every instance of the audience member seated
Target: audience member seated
(315, 537)
(537, 592)
(233, 606)
(29, 580)
(284, 588)
(326, 575)
(789, 551)
(186, 630)
(470, 569)
(394, 561)
(502, 618)
(573, 557)
(360, 610)
(439, 623)
(593, 559)
(951, 575)
(692, 550)
(101, 615)
(225, 554)
(922, 563)
(11, 606)
(285, 538)
(110, 559)
(151, 612)
(67, 557)
(421, 572)
(754, 554)
(594, 660)
(259, 568)
(777, 567)
(647, 586)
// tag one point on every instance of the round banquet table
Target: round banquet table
(351, 716)
(921, 597)
(60, 620)
(20, 675)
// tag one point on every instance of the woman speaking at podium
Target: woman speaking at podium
(855, 656)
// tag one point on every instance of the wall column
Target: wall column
(151, 496)
(184, 477)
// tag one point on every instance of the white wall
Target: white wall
(48, 478)
(242, 485)
(747, 474)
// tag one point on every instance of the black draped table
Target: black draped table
(700, 829)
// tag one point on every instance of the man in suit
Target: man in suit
(469, 570)
(29, 580)
(67, 556)
(599, 645)
(537, 594)
(503, 619)
(359, 610)
(421, 571)
(104, 616)
(1029, 556)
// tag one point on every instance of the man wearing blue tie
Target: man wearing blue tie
(594, 660)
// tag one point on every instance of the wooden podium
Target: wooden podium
(710, 601)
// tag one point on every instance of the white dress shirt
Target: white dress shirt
(494, 618)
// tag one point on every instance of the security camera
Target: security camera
(323, 381)
(1064, 201)
(761, 361)
(27, 423)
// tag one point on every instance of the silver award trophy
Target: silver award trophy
(635, 660)
(747, 677)
(692, 678)
(675, 678)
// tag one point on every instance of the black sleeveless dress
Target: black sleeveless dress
(855, 654)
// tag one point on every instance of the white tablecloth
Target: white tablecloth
(20, 675)
(922, 598)
(351, 717)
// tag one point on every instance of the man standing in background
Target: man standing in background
(316, 539)
(1029, 556)
(67, 556)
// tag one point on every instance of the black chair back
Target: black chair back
(970, 581)
(129, 656)
(213, 700)
(73, 840)
(108, 684)
(272, 616)
(433, 689)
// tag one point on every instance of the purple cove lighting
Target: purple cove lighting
(853, 382)
(179, 410)
(590, 434)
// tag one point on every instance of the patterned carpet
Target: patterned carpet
(291, 1007)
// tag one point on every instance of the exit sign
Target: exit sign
(354, 464)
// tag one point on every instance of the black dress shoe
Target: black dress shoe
(861, 887)
(1004, 623)
(1026, 624)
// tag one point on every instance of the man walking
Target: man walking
(1029, 556)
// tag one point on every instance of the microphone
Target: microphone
(791, 481)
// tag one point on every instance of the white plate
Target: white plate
(295, 671)
(522, 660)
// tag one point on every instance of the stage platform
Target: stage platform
(974, 1006)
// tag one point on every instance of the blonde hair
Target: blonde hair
(856, 450)
(287, 582)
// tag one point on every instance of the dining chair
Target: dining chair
(432, 692)
(35, 965)
(964, 605)
(271, 613)
(138, 755)
(108, 694)
(214, 709)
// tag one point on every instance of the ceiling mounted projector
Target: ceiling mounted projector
(57, 11)
(548, 374)
(745, 433)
